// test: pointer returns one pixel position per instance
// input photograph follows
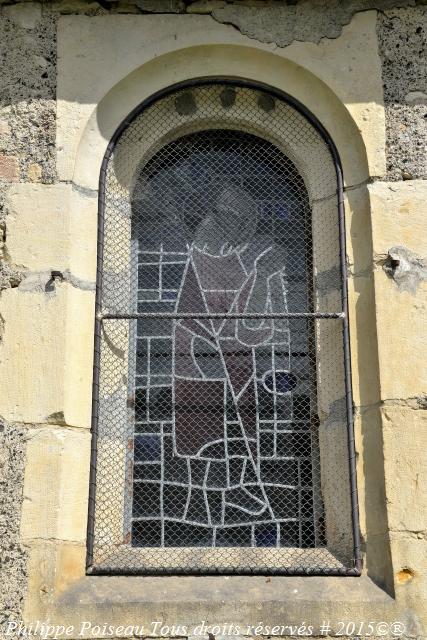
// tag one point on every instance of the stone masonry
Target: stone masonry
(28, 156)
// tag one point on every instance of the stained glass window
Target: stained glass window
(224, 444)
(221, 401)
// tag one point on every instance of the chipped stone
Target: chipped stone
(405, 268)
(79, 283)
(46, 281)
(36, 282)
(421, 401)
(56, 418)
(30, 124)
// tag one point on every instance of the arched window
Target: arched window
(222, 398)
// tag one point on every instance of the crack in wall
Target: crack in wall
(417, 403)
(46, 281)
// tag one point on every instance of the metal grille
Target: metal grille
(222, 429)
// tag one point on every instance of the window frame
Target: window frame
(357, 558)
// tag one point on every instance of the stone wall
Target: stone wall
(27, 154)
(402, 35)
(28, 151)
(27, 107)
(12, 553)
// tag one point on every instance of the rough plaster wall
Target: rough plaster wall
(402, 35)
(12, 554)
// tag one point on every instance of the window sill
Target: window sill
(241, 600)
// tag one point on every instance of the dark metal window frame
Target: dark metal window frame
(357, 558)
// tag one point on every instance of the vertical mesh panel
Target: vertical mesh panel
(222, 437)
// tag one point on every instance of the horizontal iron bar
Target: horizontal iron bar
(96, 570)
(208, 316)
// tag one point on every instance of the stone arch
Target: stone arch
(223, 61)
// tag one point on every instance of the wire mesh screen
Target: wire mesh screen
(221, 431)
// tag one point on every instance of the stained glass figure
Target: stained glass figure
(223, 447)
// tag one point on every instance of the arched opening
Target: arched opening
(223, 429)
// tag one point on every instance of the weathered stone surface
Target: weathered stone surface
(398, 216)
(34, 172)
(125, 599)
(416, 97)
(405, 433)
(305, 21)
(46, 354)
(363, 341)
(27, 94)
(13, 555)
(406, 268)
(402, 340)
(52, 227)
(358, 231)
(398, 219)
(10, 275)
(55, 493)
(372, 496)
(410, 552)
(86, 7)
(403, 46)
(4, 130)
